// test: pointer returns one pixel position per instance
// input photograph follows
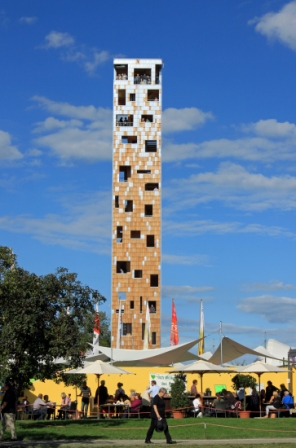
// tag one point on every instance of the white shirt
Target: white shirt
(38, 403)
(196, 403)
(153, 390)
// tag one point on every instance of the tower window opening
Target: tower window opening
(138, 273)
(127, 139)
(124, 173)
(150, 241)
(132, 97)
(119, 234)
(124, 120)
(152, 307)
(121, 97)
(153, 337)
(116, 201)
(135, 233)
(143, 171)
(151, 187)
(128, 206)
(153, 95)
(142, 76)
(127, 328)
(122, 267)
(148, 210)
(147, 119)
(121, 72)
(150, 146)
(154, 281)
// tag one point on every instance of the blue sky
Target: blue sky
(229, 158)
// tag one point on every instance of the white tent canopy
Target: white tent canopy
(154, 357)
(232, 350)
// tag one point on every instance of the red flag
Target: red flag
(97, 326)
(174, 339)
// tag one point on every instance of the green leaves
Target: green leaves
(41, 318)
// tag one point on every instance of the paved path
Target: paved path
(130, 443)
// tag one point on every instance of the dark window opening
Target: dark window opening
(153, 337)
(127, 328)
(132, 97)
(141, 304)
(132, 305)
(150, 146)
(128, 206)
(121, 72)
(144, 171)
(124, 120)
(150, 240)
(124, 173)
(143, 331)
(147, 119)
(121, 97)
(122, 267)
(157, 73)
(142, 76)
(148, 210)
(153, 95)
(152, 307)
(151, 187)
(138, 273)
(126, 139)
(116, 201)
(135, 233)
(154, 281)
(119, 234)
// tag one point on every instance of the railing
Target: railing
(124, 123)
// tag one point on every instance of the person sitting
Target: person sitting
(237, 404)
(197, 405)
(39, 408)
(275, 403)
(218, 405)
(133, 407)
(50, 407)
(25, 405)
(65, 406)
(287, 400)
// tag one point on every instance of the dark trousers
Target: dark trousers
(153, 426)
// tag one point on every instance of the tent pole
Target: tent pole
(221, 359)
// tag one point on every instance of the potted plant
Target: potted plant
(208, 392)
(179, 399)
(243, 381)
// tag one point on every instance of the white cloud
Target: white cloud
(234, 186)
(52, 123)
(176, 120)
(273, 309)
(273, 285)
(7, 151)
(186, 259)
(87, 58)
(83, 225)
(56, 39)
(28, 20)
(279, 25)
(186, 293)
(272, 128)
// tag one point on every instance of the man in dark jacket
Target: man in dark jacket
(8, 409)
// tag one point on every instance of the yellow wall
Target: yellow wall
(140, 381)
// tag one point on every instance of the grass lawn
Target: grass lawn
(135, 429)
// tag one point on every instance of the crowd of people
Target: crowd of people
(138, 78)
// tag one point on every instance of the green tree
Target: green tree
(243, 381)
(178, 388)
(41, 318)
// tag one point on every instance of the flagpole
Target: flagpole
(119, 327)
(201, 344)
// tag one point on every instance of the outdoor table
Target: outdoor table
(116, 408)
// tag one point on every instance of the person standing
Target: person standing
(154, 389)
(101, 394)
(158, 415)
(8, 409)
(193, 390)
(85, 393)
(269, 391)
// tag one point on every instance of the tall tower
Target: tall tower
(136, 205)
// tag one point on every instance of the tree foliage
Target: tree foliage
(178, 387)
(42, 318)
